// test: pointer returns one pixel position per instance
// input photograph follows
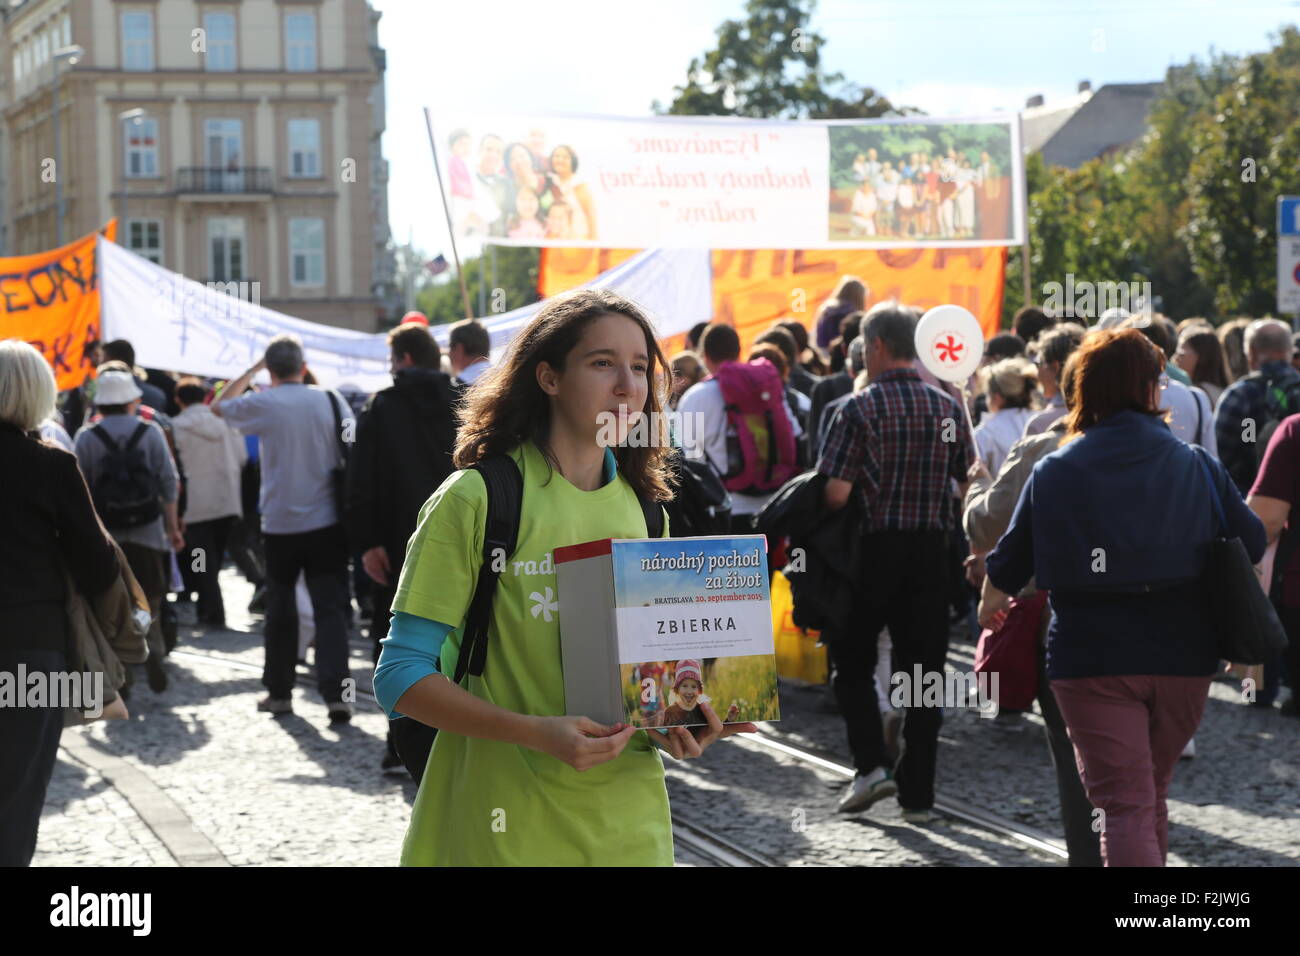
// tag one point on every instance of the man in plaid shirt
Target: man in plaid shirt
(900, 445)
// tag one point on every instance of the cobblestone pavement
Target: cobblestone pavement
(244, 788)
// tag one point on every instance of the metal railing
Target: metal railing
(218, 179)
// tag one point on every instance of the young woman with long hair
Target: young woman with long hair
(511, 780)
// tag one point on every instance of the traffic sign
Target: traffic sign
(1288, 254)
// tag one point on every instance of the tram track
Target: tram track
(716, 849)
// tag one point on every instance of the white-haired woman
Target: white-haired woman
(50, 527)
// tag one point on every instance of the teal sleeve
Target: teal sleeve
(410, 654)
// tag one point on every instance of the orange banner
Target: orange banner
(752, 288)
(51, 300)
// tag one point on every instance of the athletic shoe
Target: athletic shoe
(257, 605)
(275, 705)
(1189, 751)
(867, 789)
(340, 712)
(917, 817)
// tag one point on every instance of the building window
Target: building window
(66, 27)
(137, 40)
(220, 30)
(300, 42)
(226, 249)
(307, 252)
(144, 238)
(142, 148)
(304, 147)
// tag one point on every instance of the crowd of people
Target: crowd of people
(921, 195)
(1123, 440)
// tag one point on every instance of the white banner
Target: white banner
(182, 325)
(727, 183)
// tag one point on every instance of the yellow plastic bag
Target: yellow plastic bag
(798, 658)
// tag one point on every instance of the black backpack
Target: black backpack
(702, 505)
(126, 490)
(505, 494)
(1279, 402)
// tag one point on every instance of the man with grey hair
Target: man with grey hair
(1250, 410)
(301, 429)
(897, 446)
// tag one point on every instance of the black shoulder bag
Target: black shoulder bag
(1244, 619)
(339, 475)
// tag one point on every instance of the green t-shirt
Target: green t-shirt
(488, 803)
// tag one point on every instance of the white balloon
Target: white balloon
(949, 342)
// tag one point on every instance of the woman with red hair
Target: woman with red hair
(1116, 524)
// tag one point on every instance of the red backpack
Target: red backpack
(760, 439)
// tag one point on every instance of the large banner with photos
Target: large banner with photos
(725, 183)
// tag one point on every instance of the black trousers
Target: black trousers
(29, 736)
(1083, 843)
(209, 537)
(322, 556)
(906, 588)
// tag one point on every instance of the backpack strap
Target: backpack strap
(505, 493)
(100, 432)
(136, 435)
(654, 517)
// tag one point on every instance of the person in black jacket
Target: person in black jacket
(841, 382)
(50, 527)
(402, 454)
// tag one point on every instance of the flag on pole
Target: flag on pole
(436, 265)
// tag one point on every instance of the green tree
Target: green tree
(1244, 157)
(768, 66)
(515, 286)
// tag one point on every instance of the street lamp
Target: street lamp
(73, 55)
(135, 117)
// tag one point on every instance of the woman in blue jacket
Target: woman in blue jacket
(1116, 525)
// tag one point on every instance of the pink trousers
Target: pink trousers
(1128, 733)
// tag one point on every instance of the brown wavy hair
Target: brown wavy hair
(506, 407)
(1111, 371)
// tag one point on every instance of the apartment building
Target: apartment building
(236, 140)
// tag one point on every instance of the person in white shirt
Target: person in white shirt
(468, 348)
(1191, 414)
(720, 344)
(1010, 386)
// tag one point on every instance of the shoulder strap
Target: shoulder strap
(102, 434)
(654, 517)
(136, 435)
(338, 423)
(1201, 456)
(505, 493)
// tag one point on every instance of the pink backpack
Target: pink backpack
(760, 440)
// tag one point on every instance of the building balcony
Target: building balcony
(222, 184)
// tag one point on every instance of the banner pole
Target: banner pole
(1024, 207)
(442, 194)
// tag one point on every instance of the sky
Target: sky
(947, 57)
